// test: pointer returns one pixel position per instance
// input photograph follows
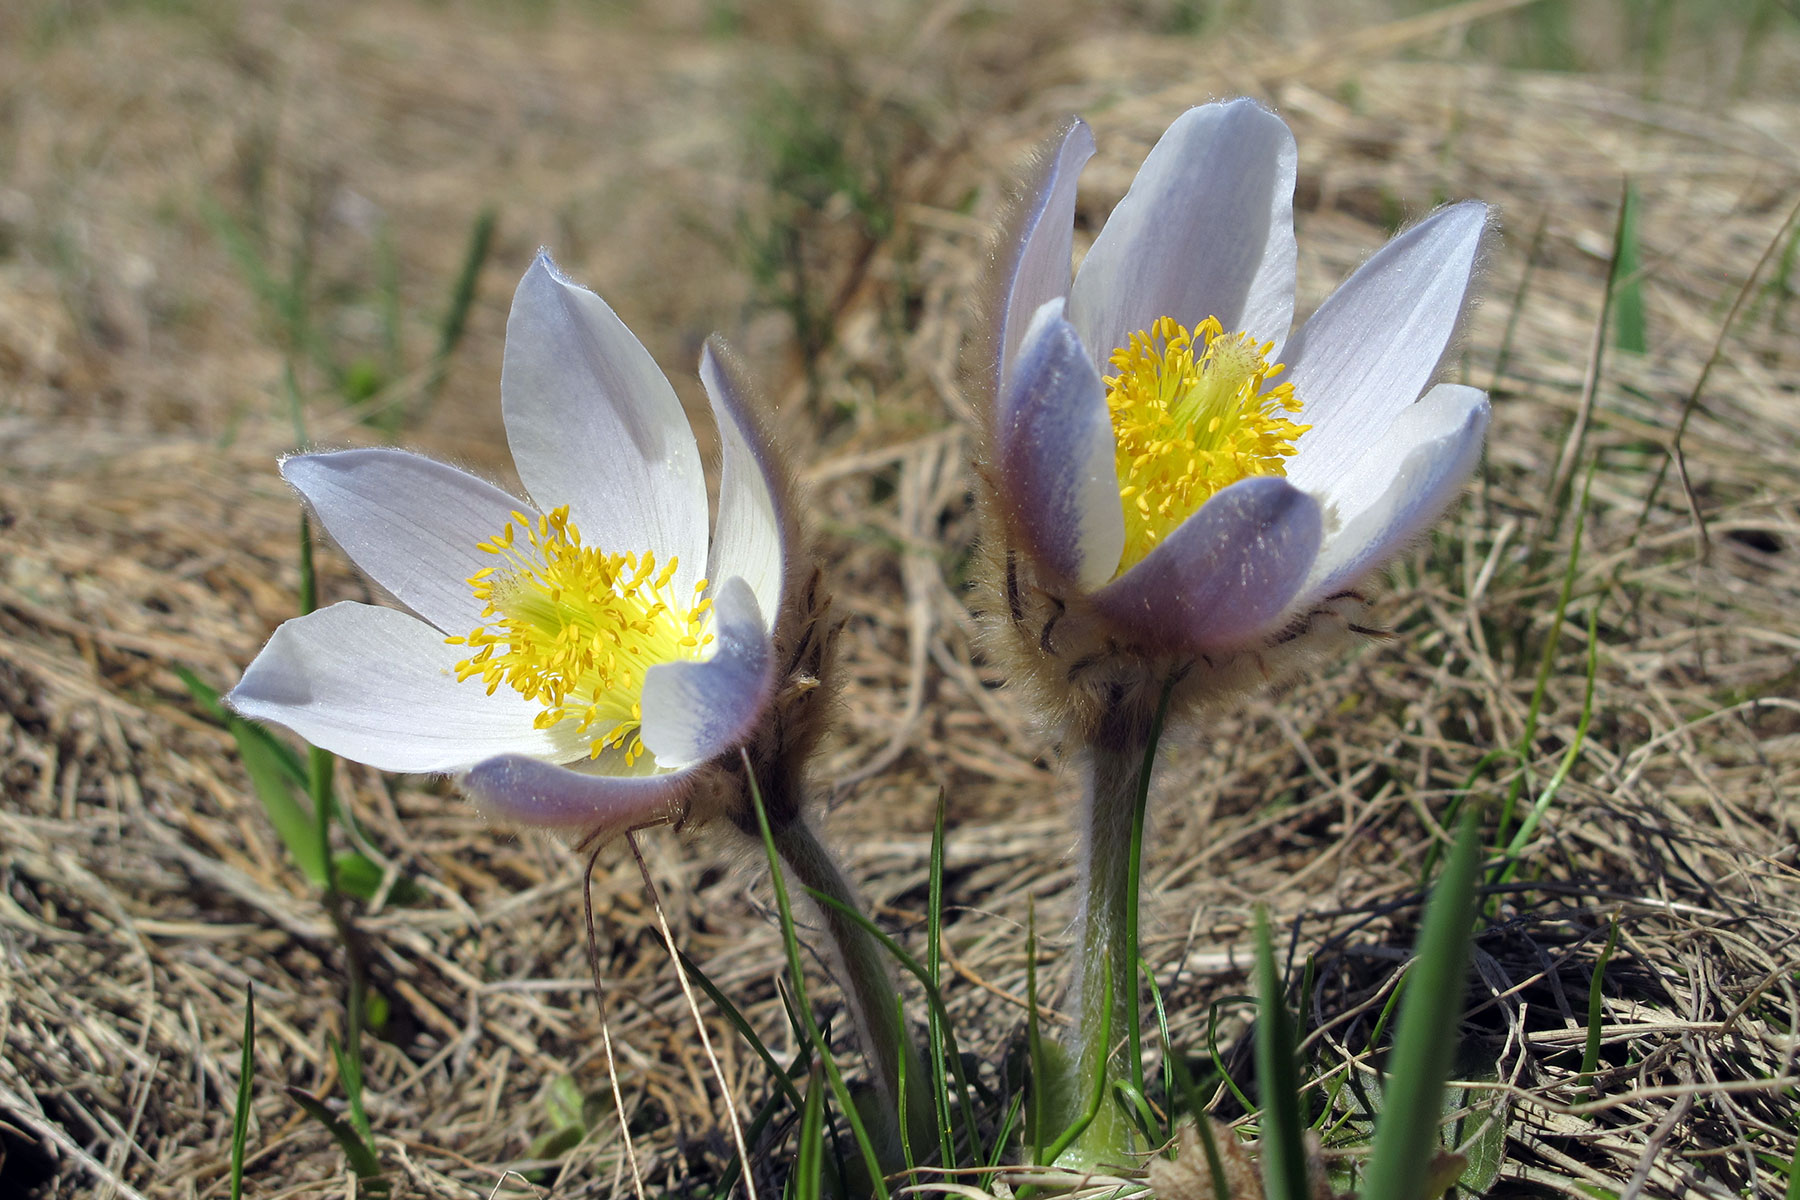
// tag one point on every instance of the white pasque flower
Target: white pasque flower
(575, 661)
(1162, 452)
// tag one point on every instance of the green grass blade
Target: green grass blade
(803, 1058)
(1134, 869)
(358, 1153)
(809, 1165)
(1590, 1054)
(1529, 825)
(1277, 1081)
(1001, 1136)
(275, 775)
(934, 1000)
(1629, 331)
(1407, 1137)
(900, 1085)
(791, 942)
(1034, 1037)
(1218, 1060)
(934, 960)
(1203, 1127)
(1162, 1029)
(724, 1005)
(240, 1116)
(1546, 663)
(350, 1073)
(455, 321)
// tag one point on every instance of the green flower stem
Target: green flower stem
(868, 984)
(1105, 1035)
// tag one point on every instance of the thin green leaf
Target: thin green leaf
(809, 1166)
(1277, 1081)
(900, 1083)
(1590, 1054)
(1629, 331)
(1034, 1037)
(359, 1154)
(1162, 1028)
(1546, 663)
(934, 1000)
(1134, 868)
(462, 297)
(797, 978)
(1406, 1138)
(724, 1005)
(240, 1117)
(934, 958)
(350, 1072)
(802, 1063)
(1203, 1127)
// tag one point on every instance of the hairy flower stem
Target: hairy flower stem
(1105, 1034)
(866, 975)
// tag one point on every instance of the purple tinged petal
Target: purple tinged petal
(1055, 444)
(594, 424)
(1035, 262)
(1376, 342)
(1206, 230)
(525, 791)
(379, 687)
(755, 525)
(1227, 575)
(694, 711)
(1401, 485)
(411, 524)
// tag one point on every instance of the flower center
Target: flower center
(575, 628)
(1192, 414)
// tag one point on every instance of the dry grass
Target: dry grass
(143, 528)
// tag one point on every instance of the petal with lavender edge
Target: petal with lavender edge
(594, 424)
(1376, 341)
(1055, 450)
(694, 711)
(1401, 485)
(1206, 230)
(1227, 574)
(748, 538)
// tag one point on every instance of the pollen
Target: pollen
(1193, 412)
(575, 628)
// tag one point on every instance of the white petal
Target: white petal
(528, 791)
(749, 541)
(594, 424)
(411, 524)
(378, 686)
(1375, 343)
(1207, 230)
(1054, 438)
(694, 711)
(1035, 262)
(1401, 485)
(1227, 575)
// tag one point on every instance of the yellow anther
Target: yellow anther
(575, 628)
(1190, 422)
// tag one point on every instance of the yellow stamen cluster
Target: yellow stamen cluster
(575, 628)
(1192, 413)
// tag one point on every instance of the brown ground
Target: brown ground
(815, 182)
